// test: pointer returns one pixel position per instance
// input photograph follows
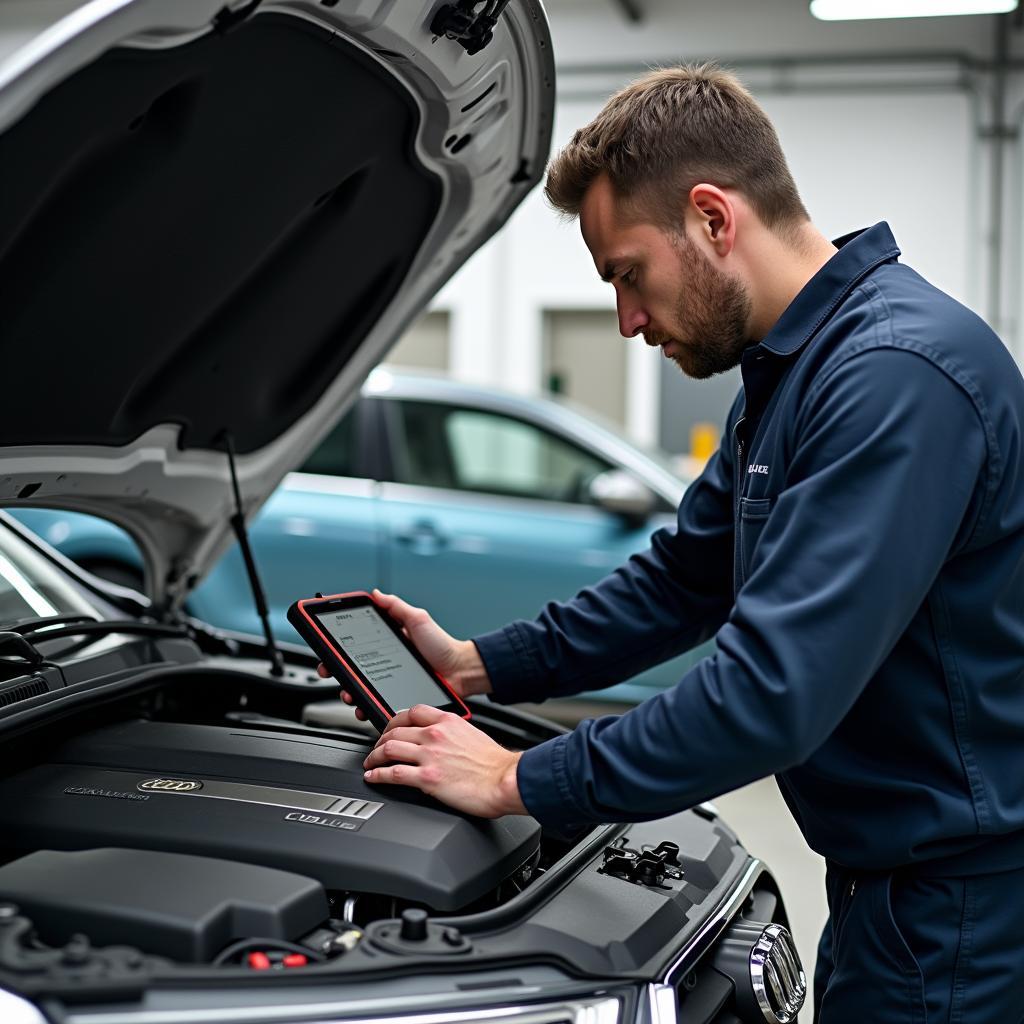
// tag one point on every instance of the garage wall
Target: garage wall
(902, 158)
(879, 121)
(585, 361)
(425, 346)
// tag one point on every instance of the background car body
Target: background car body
(471, 502)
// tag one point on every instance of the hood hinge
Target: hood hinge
(462, 23)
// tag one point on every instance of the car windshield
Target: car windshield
(32, 587)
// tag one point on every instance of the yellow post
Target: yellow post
(703, 441)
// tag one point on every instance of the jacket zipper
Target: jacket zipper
(737, 487)
(739, 457)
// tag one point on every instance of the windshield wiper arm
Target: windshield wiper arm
(100, 626)
(20, 641)
(35, 622)
(24, 648)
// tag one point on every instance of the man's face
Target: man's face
(666, 288)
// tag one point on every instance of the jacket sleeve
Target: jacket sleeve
(664, 601)
(879, 492)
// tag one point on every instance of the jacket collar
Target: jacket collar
(859, 254)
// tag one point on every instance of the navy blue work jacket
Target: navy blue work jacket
(856, 548)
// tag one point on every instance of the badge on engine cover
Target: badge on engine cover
(171, 785)
(328, 809)
(319, 819)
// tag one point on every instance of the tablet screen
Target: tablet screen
(372, 646)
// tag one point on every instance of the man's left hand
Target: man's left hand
(447, 758)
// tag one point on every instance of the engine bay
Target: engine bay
(198, 814)
(183, 823)
(289, 801)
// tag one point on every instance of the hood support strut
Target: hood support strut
(259, 597)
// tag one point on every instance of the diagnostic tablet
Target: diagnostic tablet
(367, 652)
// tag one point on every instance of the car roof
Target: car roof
(560, 415)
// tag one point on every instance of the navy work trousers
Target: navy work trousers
(901, 947)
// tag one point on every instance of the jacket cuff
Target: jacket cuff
(511, 667)
(545, 789)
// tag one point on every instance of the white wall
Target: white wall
(878, 121)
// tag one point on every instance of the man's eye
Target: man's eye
(629, 277)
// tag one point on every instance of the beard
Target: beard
(712, 312)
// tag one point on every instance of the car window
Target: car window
(485, 452)
(336, 455)
(31, 586)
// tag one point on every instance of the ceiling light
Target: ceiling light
(856, 10)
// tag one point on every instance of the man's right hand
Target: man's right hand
(458, 661)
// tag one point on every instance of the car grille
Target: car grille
(776, 975)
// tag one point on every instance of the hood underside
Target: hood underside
(161, 248)
(215, 228)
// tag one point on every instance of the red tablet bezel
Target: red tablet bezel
(314, 623)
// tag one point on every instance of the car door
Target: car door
(487, 517)
(319, 531)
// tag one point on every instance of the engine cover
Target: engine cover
(170, 904)
(288, 801)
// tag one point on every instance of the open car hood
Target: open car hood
(215, 220)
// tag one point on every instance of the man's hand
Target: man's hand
(458, 661)
(447, 758)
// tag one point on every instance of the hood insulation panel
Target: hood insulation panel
(202, 235)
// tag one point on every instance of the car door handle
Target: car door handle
(422, 538)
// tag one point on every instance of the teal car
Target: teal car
(474, 503)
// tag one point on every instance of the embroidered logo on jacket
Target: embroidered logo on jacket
(754, 468)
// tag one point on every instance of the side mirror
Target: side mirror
(620, 493)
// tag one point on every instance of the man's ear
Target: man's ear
(713, 214)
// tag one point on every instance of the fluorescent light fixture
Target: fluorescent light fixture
(857, 10)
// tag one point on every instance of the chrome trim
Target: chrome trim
(570, 1011)
(15, 1010)
(269, 796)
(425, 494)
(348, 915)
(169, 785)
(363, 487)
(777, 976)
(659, 1006)
(715, 924)
(325, 483)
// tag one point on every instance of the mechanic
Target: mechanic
(856, 548)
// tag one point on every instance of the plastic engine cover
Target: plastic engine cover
(294, 802)
(171, 904)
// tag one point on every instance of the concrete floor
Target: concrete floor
(763, 823)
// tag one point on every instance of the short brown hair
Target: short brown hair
(670, 130)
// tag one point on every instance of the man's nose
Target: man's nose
(632, 319)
